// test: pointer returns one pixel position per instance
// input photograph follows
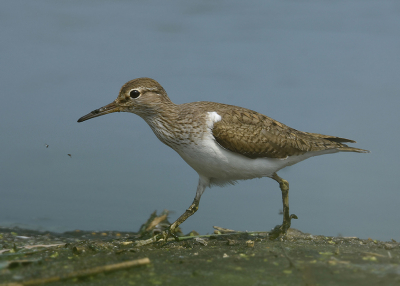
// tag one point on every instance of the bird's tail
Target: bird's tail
(343, 147)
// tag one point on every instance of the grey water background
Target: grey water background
(329, 67)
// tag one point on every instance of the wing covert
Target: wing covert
(255, 135)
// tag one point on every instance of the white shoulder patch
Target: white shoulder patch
(212, 118)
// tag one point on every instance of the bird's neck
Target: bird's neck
(164, 122)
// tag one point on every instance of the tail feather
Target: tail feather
(340, 140)
(332, 138)
(346, 148)
(343, 147)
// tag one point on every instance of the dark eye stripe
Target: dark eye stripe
(134, 93)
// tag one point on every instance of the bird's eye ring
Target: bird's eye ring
(134, 93)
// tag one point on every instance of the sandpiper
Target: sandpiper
(222, 143)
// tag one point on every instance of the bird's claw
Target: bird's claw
(166, 234)
(281, 229)
(277, 231)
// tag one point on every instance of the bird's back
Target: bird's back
(255, 135)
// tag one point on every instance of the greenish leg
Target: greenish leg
(203, 183)
(190, 211)
(282, 229)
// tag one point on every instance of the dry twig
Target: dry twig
(83, 273)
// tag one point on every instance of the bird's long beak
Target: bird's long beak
(109, 108)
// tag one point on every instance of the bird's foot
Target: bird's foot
(166, 234)
(281, 229)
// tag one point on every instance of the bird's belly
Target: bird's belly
(222, 166)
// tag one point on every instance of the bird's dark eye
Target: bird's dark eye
(134, 93)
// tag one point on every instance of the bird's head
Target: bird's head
(142, 96)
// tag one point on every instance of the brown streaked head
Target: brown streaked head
(141, 96)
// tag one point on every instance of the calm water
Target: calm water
(321, 67)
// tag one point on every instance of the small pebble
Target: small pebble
(250, 243)
(231, 242)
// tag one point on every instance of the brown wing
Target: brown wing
(255, 135)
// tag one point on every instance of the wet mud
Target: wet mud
(224, 258)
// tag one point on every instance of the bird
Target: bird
(47, 146)
(222, 143)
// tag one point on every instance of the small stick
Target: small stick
(83, 273)
(156, 221)
(374, 254)
(224, 230)
(180, 238)
(33, 246)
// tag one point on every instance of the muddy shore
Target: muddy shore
(224, 258)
